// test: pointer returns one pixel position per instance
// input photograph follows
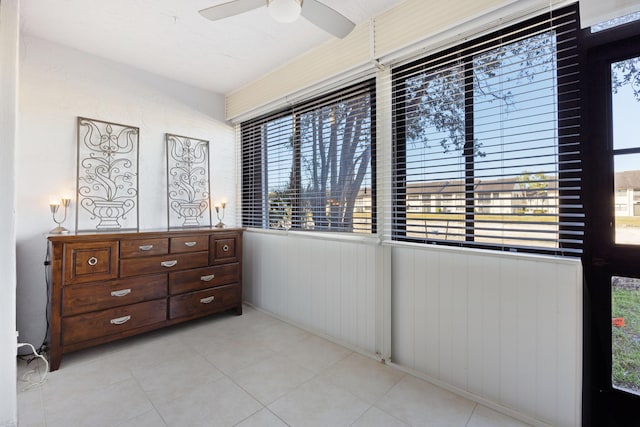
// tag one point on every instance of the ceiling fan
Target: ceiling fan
(287, 11)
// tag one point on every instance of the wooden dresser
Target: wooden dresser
(105, 287)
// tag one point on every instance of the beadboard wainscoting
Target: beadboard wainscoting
(500, 328)
(504, 327)
(322, 284)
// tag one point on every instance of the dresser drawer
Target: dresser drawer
(201, 278)
(89, 261)
(83, 327)
(162, 263)
(189, 244)
(143, 247)
(82, 298)
(225, 248)
(205, 302)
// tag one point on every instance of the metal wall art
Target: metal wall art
(107, 179)
(188, 194)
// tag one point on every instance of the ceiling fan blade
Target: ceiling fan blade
(326, 18)
(231, 8)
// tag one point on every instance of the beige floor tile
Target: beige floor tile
(316, 353)
(30, 408)
(220, 403)
(143, 356)
(148, 419)
(271, 378)
(319, 403)
(485, 417)
(172, 379)
(83, 376)
(366, 378)
(419, 403)
(222, 370)
(374, 417)
(262, 418)
(231, 355)
(280, 337)
(203, 343)
(99, 407)
(211, 327)
(252, 320)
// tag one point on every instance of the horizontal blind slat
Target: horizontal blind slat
(486, 148)
(308, 167)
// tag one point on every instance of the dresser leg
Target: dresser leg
(239, 310)
(54, 361)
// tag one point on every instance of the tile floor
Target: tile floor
(252, 370)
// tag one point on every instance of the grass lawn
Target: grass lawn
(628, 221)
(626, 339)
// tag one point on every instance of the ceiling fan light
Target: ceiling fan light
(285, 10)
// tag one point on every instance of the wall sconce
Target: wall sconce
(54, 210)
(220, 224)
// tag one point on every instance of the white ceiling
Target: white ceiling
(170, 38)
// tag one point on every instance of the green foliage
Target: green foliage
(280, 209)
(533, 183)
(435, 99)
(624, 73)
(533, 188)
(626, 339)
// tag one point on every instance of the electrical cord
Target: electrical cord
(27, 376)
(47, 279)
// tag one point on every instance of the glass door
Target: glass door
(612, 253)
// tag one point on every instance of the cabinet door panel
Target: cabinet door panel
(189, 244)
(143, 247)
(205, 302)
(82, 298)
(225, 248)
(201, 278)
(162, 264)
(83, 327)
(86, 262)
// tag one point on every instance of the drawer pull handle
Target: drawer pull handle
(169, 263)
(120, 293)
(120, 320)
(225, 248)
(92, 261)
(208, 278)
(145, 247)
(207, 300)
(190, 244)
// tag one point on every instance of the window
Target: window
(486, 142)
(616, 22)
(310, 167)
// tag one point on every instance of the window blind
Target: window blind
(486, 141)
(309, 167)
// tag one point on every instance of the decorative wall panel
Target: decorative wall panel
(107, 176)
(188, 194)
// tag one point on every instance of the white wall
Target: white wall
(323, 284)
(9, 36)
(506, 328)
(57, 84)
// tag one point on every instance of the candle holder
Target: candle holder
(54, 210)
(220, 224)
